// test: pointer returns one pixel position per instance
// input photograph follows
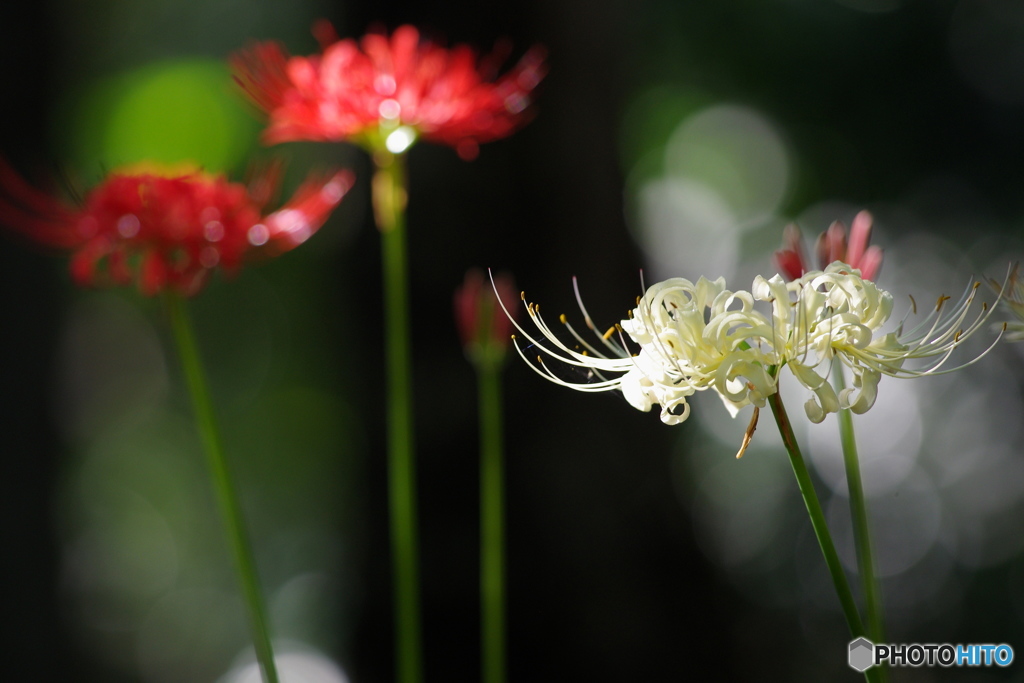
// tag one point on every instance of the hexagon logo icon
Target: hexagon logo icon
(862, 654)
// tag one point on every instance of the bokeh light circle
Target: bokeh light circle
(165, 112)
(737, 152)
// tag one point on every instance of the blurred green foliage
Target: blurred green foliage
(174, 111)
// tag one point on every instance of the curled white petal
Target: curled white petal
(824, 400)
(861, 396)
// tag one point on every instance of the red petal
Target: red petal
(306, 212)
(790, 263)
(860, 235)
(870, 263)
(153, 275)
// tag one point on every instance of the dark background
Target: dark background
(605, 579)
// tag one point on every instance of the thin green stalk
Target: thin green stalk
(859, 515)
(492, 524)
(389, 196)
(230, 510)
(828, 549)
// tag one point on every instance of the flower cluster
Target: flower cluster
(168, 228)
(385, 92)
(698, 336)
(832, 246)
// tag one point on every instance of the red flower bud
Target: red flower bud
(831, 246)
(483, 327)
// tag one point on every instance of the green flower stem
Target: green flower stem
(859, 514)
(492, 524)
(230, 510)
(389, 197)
(828, 549)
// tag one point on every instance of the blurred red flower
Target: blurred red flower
(364, 92)
(484, 328)
(168, 227)
(832, 246)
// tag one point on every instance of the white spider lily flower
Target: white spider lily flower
(836, 314)
(691, 337)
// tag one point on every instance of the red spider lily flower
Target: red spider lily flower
(385, 92)
(168, 227)
(830, 247)
(484, 329)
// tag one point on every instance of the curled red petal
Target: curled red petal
(306, 212)
(261, 71)
(35, 214)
